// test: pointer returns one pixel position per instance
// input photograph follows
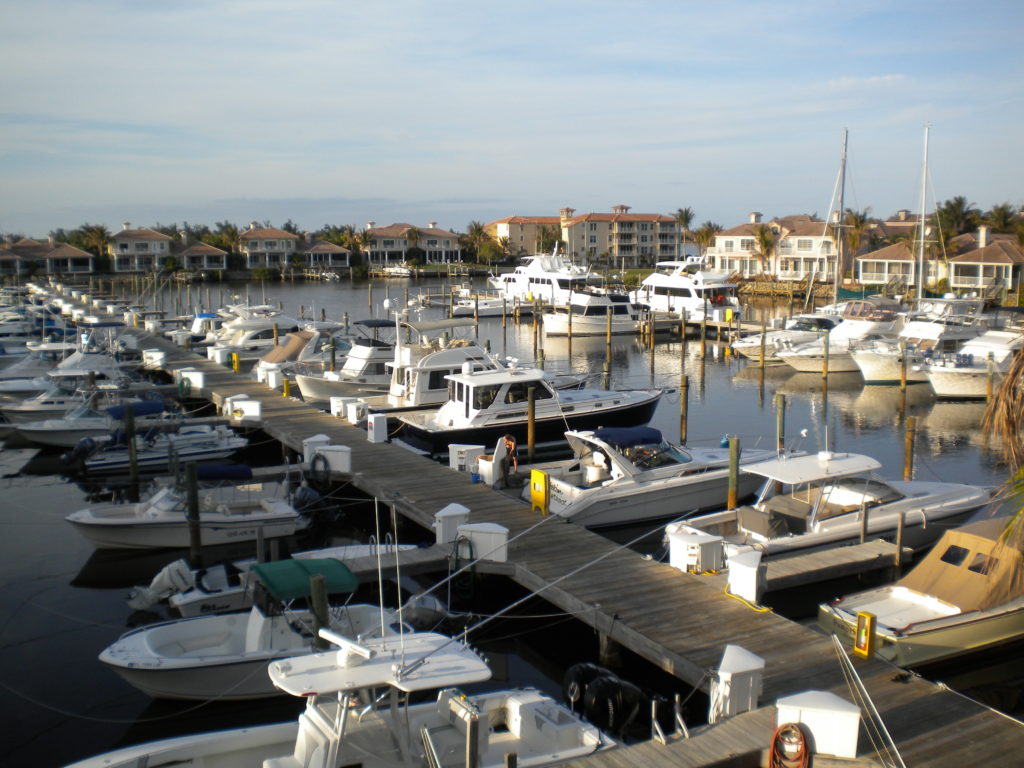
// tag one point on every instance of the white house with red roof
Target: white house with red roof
(389, 244)
(138, 250)
(267, 247)
(804, 246)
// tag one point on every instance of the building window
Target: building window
(644, 226)
(804, 244)
(593, 226)
(141, 247)
(431, 243)
(268, 244)
(593, 238)
(727, 246)
(747, 244)
(388, 244)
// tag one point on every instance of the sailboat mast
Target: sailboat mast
(920, 239)
(839, 221)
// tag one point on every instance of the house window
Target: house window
(141, 247)
(389, 244)
(644, 226)
(826, 246)
(268, 244)
(728, 246)
(804, 244)
(747, 244)
(593, 226)
(431, 243)
(123, 247)
(593, 239)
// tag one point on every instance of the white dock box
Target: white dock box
(339, 405)
(309, 447)
(219, 355)
(274, 379)
(489, 469)
(462, 457)
(489, 541)
(153, 358)
(748, 575)
(180, 337)
(447, 521)
(355, 411)
(737, 685)
(339, 457)
(195, 378)
(154, 325)
(833, 722)
(693, 551)
(377, 428)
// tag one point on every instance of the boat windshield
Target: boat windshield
(656, 455)
(850, 493)
(84, 411)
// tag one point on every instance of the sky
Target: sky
(333, 112)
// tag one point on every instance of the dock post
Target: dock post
(568, 318)
(369, 296)
(608, 652)
(261, 548)
(908, 450)
(898, 561)
(318, 599)
(990, 377)
(504, 313)
(764, 341)
(531, 421)
(286, 388)
(608, 350)
(780, 423)
(734, 471)
(684, 406)
(863, 522)
(824, 354)
(334, 352)
(195, 541)
(540, 358)
(682, 333)
(277, 335)
(903, 365)
(133, 451)
(235, 362)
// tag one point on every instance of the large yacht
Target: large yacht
(678, 287)
(548, 278)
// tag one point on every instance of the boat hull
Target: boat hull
(316, 389)
(144, 534)
(547, 429)
(880, 368)
(961, 382)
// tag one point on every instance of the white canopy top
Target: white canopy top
(448, 663)
(495, 378)
(793, 470)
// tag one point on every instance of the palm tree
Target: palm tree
(1002, 217)
(765, 244)
(476, 236)
(549, 235)
(705, 236)
(95, 237)
(855, 224)
(1004, 422)
(412, 236)
(958, 215)
(684, 217)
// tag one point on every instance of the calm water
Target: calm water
(61, 603)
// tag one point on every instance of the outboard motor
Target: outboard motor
(174, 578)
(306, 500)
(607, 701)
(80, 452)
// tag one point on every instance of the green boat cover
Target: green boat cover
(289, 579)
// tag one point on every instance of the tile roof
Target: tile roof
(145, 233)
(614, 217)
(999, 252)
(894, 252)
(67, 251)
(527, 220)
(203, 249)
(261, 232)
(400, 230)
(322, 246)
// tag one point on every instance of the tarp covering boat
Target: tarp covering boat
(139, 408)
(290, 350)
(627, 437)
(289, 579)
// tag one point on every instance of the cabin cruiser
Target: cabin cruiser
(225, 656)
(587, 314)
(676, 287)
(798, 329)
(938, 327)
(547, 277)
(71, 371)
(40, 357)
(963, 597)
(314, 345)
(978, 366)
(90, 419)
(228, 514)
(485, 405)
(389, 729)
(202, 328)
(257, 331)
(821, 501)
(155, 449)
(630, 474)
(363, 371)
(875, 316)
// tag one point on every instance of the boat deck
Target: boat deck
(679, 622)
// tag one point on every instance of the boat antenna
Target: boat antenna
(920, 240)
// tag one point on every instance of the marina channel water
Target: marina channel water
(61, 603)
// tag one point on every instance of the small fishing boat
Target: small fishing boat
(389, 729)
(798, 329)
(225, 656)
(821, 503)
(226, 515)
(485, 405)
(155, 449)
(90, 419)
(630, 474)
(965, 596)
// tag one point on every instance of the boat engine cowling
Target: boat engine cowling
(608, 701)
(172, 579)
(82, 449)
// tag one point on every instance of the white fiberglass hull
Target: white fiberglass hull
(317, 389)
(972, 383)
(881, 368)
(557, 324)
(838, 362)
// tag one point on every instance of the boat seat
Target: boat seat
(761, 522)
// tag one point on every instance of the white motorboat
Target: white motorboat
(226, 515)
(979, 365)
(484, 727)
(253, 329)
(483, 406)
(229, 586)
(586, 314)
(90, 419)
(301, 349)
(396, 270)
(225, 656)
(676, 287)
(70, 372)
(155, 449)
(363, 372)
(822, 500)
(965, 596)
(798, 329)
(547, 277)
(40, 357)
(938, 327)
(874, 316)
(630, 475)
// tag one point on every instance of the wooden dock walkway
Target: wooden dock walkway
(679, 622)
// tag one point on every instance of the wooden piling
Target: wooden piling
(684, 407)
(195, 541)
(318, 601)
(734, 471)
(908, 450)
(531, 422)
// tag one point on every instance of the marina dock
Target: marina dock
(679, 622)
